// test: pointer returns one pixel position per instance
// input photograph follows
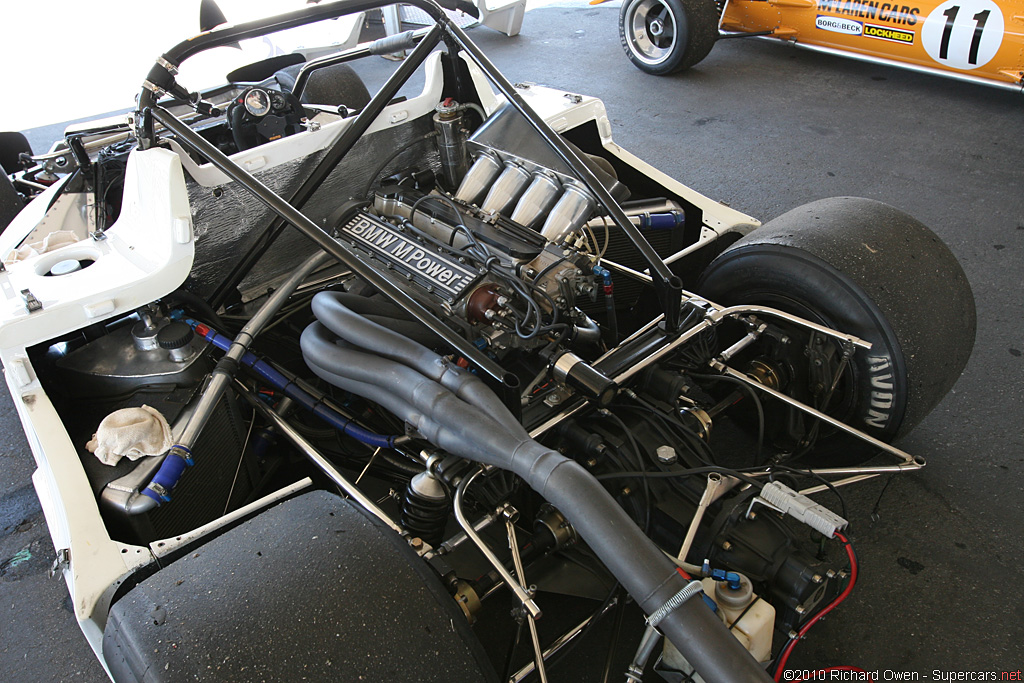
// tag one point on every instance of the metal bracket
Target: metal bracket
(154, 88)
(32, 304)
(61, 562)
(171, 68)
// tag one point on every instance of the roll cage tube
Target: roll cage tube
(337, 249)
(161, 78)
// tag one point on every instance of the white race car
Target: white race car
(326, 385)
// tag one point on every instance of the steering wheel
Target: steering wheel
(262, 114)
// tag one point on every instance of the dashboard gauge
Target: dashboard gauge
(257, 102)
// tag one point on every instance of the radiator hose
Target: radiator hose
(456, 411)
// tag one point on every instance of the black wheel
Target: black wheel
(311, 589)
(665, 36)
(864, 268)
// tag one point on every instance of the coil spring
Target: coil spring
(425, 516)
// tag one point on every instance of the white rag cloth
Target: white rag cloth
(132, 432)
(55, 240)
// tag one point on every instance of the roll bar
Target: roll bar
(161, 79)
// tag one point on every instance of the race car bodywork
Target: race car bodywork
(980, 41)
(417, 361)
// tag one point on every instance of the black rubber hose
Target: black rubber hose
(198, 305)
(465, 430)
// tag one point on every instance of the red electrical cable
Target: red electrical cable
(786, 651)
(820, 672)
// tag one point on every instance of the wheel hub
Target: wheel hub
(651, 33)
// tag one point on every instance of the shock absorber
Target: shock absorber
(426, 508)
(451, 141)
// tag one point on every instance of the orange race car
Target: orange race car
(980, 41)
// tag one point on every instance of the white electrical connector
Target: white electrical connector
(799, 506)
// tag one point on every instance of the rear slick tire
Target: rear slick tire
(867, 269)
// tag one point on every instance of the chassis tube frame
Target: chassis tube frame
(161, 78)
(337, 249)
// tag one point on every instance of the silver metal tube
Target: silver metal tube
(668, 348)
(569, 214)
(220, 380)
(506, 189)
(714, 482)
(686, 251)
(711, 320)
(565, 415)
(539, 197)
(325, 466)
(521, 593)
(649, 641)
(167, 546)
(721, 313)
(460, 538)
(726, 370)
(627, 271)
(840, 482)
(663, 351)
(478, 178)
(743, 343)
(634, 213)
(451, 144)
(517, 560)
(873, 470)
(561, 642)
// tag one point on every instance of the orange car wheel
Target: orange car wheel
(665, 36)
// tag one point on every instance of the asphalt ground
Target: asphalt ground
(764, 128)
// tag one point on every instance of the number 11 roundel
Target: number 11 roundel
(963, 34)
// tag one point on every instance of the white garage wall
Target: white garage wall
(65, 59)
